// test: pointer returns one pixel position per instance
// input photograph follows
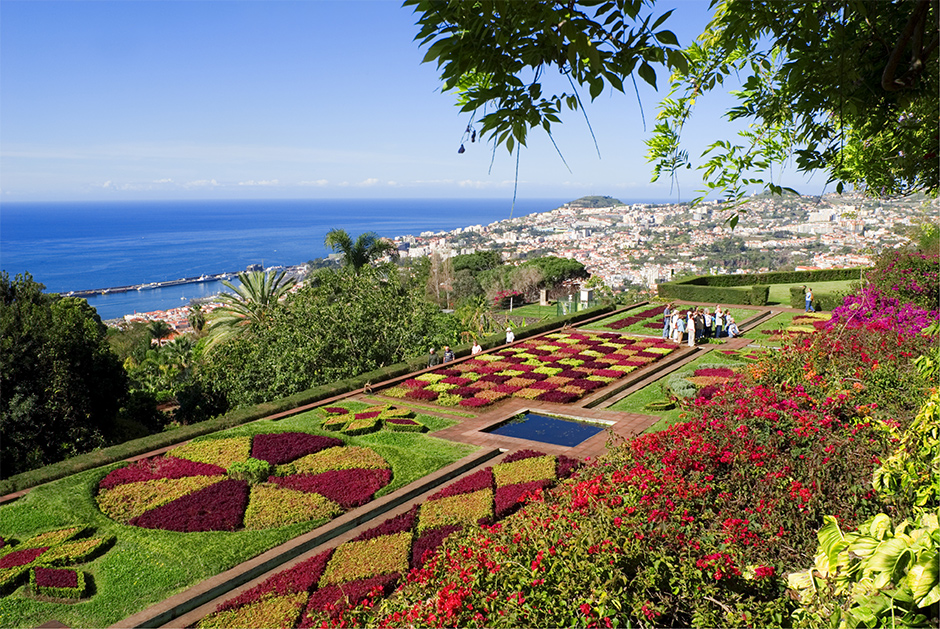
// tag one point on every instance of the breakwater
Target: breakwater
(150, 285)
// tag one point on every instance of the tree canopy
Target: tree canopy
(849, 88)
(364, 250)
(61, 386)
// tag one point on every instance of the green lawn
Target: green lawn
(779, 322)
(146, 566)
(780, 293)
(533, 310)
(636, 402)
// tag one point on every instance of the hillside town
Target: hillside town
(643, 244)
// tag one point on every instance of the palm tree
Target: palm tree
(367, 248)
(252, 304)
(159, 330)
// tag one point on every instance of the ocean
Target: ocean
(88, 245)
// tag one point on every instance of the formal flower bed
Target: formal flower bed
(561, 367)
(319, 589)
(808, 323)
(373, 418)
(644, 316)
(226, 484)
(37, 560)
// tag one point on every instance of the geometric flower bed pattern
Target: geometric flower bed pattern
(202, 485)
(38, 561)
(808, 323)
(631, 319)
(560, 367)
(319, 588)
(371, 419)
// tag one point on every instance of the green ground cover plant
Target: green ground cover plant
(172, 560)
(771, 332)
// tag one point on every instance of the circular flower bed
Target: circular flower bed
(203, 485)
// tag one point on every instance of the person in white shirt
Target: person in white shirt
(510, 337)
(476, 349)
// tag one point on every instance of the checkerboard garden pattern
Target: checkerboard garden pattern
(319, 588)
(561, 367)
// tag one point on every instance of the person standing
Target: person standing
(690, 328)
(667, 319)
(433, 359)
(448, 354)
(707, 332)
(510, 337)
(678, 325)
(809, 300)
(719, 321)
(476, 349)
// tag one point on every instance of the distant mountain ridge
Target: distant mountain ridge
(595, 201)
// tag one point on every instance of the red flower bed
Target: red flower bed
(518, 455)
(469, 484)
(587, 385)
(21, 557)
(280, 448)
(334, 599)
(56, 578)
(422, 394)
(430, 541)
(558, 397)
(158, 467)
(218, 507)
(475, 402)
(300, 578)
(348, 488)
(717, 372)
(399, 524)
(508, 497)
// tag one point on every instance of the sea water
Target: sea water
(81, 246)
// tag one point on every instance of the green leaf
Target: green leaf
(667, 37)
(647, 73)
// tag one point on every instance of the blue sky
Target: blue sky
(283, 99)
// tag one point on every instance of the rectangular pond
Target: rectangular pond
(546, 429)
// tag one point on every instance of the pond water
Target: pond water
(546, 429)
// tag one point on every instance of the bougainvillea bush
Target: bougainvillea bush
(561, 367)
(214, 485)
(320, 589)
(911, 276)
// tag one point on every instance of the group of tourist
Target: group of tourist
(697, 324)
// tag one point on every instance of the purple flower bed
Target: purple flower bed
(218, 507)
(716, 372)
(475, 402)
(558, 397)
(566, 466)
(348, 488)
(21, 557)
(56, 578)
(508, 497)
(399, 524)
(402, 421)
(422, 394)
(158, 467)
(336, 410)
(335, 598)
(300, 578)
(494, 378)
(457, 380)
(518, 455)
(587, 385)
(280, 448)
(469, 484)
(424, 546)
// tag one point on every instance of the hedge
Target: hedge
(135, 447)
(750, 289)
(821, 301)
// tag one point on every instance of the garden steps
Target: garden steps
(170, 612)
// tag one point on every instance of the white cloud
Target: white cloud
(164, 180)
(315, 182)
(202, 183)
(372, 181)
(264, 182)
